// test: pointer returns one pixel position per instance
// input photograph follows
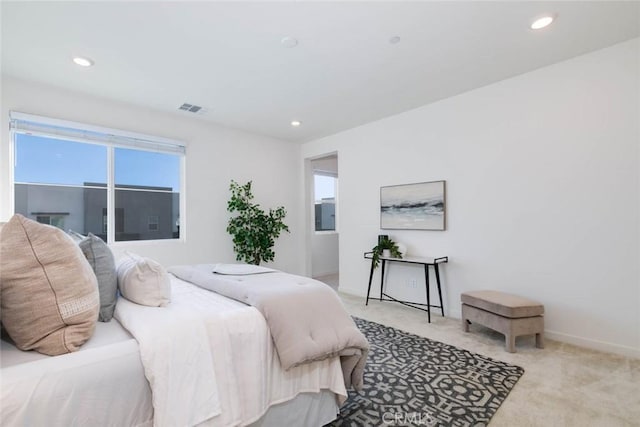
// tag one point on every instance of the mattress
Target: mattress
(104, 384)
(101, 384)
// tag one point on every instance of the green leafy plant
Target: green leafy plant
(253, 230)
(385, 243)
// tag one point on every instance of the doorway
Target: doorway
(324, 224)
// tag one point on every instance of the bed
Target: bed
(104, 383)
(127, 344)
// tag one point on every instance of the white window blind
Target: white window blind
(72, 131)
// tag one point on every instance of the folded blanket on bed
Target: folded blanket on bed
(306, 318)
(240, 269)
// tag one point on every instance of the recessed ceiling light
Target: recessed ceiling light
(394, 40)
(289, 42)
(295, 123)
(542, 22)
(82, 61)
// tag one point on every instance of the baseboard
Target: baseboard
(321, 274)
(589, 343)
(356, 292)
(351, 292)
(607, 347)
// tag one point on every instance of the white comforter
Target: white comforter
(210, 360)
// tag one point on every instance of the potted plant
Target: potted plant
(385, 244)
(253, 230)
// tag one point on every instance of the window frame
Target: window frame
(112, 138)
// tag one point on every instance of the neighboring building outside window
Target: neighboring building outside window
(63, 177)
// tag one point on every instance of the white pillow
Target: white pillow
(143, 281)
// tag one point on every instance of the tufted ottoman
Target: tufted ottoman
(508, 314)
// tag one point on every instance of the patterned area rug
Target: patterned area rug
(414, 381)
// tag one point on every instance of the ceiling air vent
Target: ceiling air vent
(190, 107)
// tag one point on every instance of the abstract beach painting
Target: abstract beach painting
(418, 206)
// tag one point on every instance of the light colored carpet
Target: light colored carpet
(563, 385)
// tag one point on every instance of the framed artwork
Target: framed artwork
(418, 206)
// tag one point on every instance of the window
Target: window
(153, 223)
(148, 201)
(117, 185)
(57, 220)
(325, 201)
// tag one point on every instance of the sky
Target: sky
(54, 161)
(324, 187)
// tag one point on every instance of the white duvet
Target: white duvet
(102, 384)
(210, 360)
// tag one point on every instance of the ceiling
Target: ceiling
(228, 58)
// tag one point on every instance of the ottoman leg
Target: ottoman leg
(540, 340)
(465, 322)
(510, 343)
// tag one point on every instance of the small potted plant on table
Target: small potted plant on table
(386, 248)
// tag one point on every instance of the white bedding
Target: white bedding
(177, 358)
(104, 384)
(247, 376)
(77, 389)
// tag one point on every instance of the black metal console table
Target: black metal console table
(434, 262)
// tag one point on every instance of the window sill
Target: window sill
(325, 233)
(181, 240)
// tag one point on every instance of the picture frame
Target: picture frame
(419, 206)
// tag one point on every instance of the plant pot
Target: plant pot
(386, 253)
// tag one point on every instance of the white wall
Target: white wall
(543, 194)
(215, 155)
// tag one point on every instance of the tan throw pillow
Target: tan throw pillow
(143, 281)
(49, 292)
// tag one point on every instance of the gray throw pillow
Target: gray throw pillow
(101, 260)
